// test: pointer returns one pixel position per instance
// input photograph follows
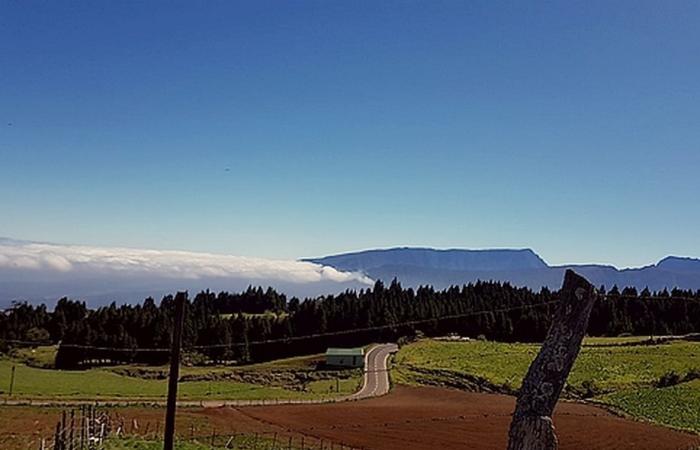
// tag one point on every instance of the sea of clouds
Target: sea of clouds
(45, 262)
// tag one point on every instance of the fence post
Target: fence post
(57, 437)
(72, 432)
(12, 380)
(64, 426)
(92, 426)
(82, 427)
(531, 427)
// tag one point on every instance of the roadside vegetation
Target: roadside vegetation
(293, 378)
(657, 382)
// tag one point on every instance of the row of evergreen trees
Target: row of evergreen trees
(258, 324)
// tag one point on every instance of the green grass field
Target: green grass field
(240, 441)
(677, 406)
(623, 377)
(111, 383)
(142, 444)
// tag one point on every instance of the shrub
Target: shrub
(668, 379)
(693, 374)
(587, 389)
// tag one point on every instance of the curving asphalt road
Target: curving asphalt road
(376, 380)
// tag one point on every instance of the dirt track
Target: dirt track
(434, 418)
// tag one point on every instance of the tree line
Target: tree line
(258, 325)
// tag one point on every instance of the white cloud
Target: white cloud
(66, 259)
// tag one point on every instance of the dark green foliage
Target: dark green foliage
(668, 379)
(672, 378)
(233, 327)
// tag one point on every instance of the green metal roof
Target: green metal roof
(345, 351)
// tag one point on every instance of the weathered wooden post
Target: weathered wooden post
(532, 428)
(82, 427)
(12, 380)
(174, 375)
(57, 437)
(71, 438)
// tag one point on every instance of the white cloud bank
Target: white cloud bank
(77, 259)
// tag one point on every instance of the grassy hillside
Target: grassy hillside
(677, 406)
(624, 377)
(285, 379)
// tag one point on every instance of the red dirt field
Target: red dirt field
(409, 418)
(424, 418)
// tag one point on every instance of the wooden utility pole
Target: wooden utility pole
(12, 380)
(532, 427)
(169, 438)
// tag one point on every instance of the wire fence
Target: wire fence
(91, 428)
(84, 428)
(265, 441)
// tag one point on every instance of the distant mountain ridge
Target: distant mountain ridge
(523, 267)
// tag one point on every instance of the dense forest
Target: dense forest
(258, 325)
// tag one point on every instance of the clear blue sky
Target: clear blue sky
(569, 127)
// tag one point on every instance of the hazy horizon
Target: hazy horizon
(348, 251)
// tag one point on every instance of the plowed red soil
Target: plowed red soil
(409, 418)
(424, 418)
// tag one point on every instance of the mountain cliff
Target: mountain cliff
(522, 267)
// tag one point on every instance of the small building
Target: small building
(345, 357)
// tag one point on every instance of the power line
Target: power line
(319, 335)
(341, 332)
(380, 327)
(609, 296)
(32, 343)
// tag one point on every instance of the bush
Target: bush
(404, 340)
(587, 389)
(194, 359)
(36, 334)
(693, 374)
(668, 379)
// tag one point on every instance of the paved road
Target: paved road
(376, 381)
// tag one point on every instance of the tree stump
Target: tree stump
(532, 428)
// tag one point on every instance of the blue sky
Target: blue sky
(569, 127)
